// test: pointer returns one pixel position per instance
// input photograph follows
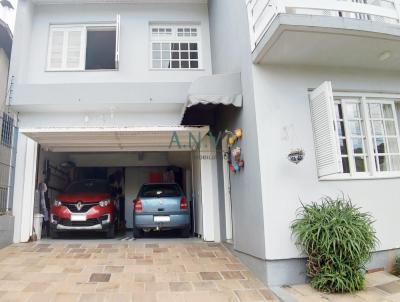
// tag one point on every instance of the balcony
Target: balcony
(313, 32)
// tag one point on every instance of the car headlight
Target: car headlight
(57, 203)
(104, 203)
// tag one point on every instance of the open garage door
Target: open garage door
(117, 139)
(140, 152)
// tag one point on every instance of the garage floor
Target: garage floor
(122, 270)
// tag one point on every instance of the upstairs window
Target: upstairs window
(357, 135)
(83, 47)
(175, 46)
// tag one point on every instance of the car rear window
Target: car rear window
(160, 190)
(89, 186)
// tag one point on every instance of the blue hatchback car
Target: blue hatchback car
(161, 206)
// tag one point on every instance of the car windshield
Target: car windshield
(89, 186)
(160, 190)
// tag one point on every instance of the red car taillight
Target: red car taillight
(138, 206)
(184, 203)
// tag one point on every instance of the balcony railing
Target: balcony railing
(263, 12)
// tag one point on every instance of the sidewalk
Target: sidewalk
(380, 287)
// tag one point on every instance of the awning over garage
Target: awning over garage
(178, 138)
(208, 92)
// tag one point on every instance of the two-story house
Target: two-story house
(132, 84)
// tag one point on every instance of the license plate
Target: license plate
(162, 219)
(78, 217)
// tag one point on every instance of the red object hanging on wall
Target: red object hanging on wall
(155, 177)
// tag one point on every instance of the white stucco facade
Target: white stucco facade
(284, 122)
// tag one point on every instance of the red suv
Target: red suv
(86, 205)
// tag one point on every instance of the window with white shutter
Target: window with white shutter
(66, 48)
(324, 126)
(355, 135)
(84, 47)
(56, 49)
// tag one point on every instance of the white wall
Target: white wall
(4, 63)
(134, 43)
(121, 159)
(283, 115)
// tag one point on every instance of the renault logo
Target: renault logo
(79, 206)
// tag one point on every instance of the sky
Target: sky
(9, 15)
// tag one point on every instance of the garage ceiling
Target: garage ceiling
(177, 138)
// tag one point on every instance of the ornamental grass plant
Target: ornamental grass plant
(338, 239)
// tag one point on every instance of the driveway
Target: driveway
(123, 270)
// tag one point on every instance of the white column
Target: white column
(209, 195)
(24, 188)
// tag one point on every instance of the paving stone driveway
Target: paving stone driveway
(143, 270)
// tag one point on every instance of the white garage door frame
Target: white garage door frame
(116, 140)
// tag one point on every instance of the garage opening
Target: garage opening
(125, 172)
(49, 160)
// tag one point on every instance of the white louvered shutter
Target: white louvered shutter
(75, 51)
(324, 127)
(56, 49)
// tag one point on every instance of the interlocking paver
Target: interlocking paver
(153, 270)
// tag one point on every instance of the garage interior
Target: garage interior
(60, 162)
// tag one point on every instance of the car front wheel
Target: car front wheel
(111, 231)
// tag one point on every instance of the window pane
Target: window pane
(353, 111)
(175, 46)
(357, 145)
(355, 127)
(393, 145)
(341, 130)
(375, 110)
(387, 111)
(100, 49)
(156, 55)
(165, 46)
(184, 64)
(343, 147)
(194, 64)
(184, 46)
(184, 55)
(156, 46)
(378, 128)
(383, 163)
(175, 64)
(194, 55)
(395, 162)
(175, 55)
(165, 64)
(338, 111)
(360, 164)
(193, 46)
(390, 128)
(166, 55)
(345, 164)
(380, 145)
(156, 64)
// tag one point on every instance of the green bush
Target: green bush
(338, 240)
(396, 267)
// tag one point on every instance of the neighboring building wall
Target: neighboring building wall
(231, 53)
(4, 63)
(284, 123)
(6, 151)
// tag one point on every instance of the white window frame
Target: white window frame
(174, 38)
(364, 99)
(85, 27)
